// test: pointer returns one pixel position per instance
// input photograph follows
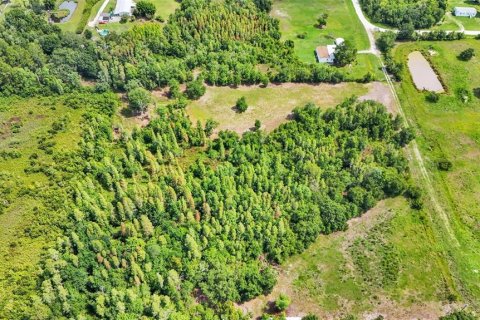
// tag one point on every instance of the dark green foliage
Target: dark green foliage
(467, 54)
(49, 4)
(407, 32)
(195, 89)
(459, 315)
(310, 316)
(345, 54)
(264, 5)
(322, 20)
(444, 165)
(432, 97)
(144, 9)
(386, 41)
(422, 14)
(241, 105)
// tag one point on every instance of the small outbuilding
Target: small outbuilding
(465, 12)
(326, 54)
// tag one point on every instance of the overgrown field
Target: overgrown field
(31, 132)
(449, 135)
(299, 18)
(375, 267)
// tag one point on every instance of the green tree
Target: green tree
(145, 9)
(195, 89)
(264, 5)
(241, 105)
(345, 54)
(49, 4)
(386, 41)
(138, 99)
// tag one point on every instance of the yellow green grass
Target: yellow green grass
(300, 17)
(450, 130)
(271, 105)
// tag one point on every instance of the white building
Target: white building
(326, 54)
(465, 12)
(124, 8)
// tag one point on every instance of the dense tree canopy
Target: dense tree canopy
(420, 13)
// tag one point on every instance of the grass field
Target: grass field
(449, 130)
(270, 105)
(300, 16)
(22, 123)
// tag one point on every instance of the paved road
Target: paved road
(414, 151)
(93, 22)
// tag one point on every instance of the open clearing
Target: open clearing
(449, 130)
(273, 105)
(300, 17)
(332, 280)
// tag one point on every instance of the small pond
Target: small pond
(70, 6)
(423, 74)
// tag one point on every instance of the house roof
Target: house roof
(123, 6)
(465, 10)
(322, 52)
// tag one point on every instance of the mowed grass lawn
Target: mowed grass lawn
(300, 16)
(450, 130)
(271, 105)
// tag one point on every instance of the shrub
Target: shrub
(124, 19)
(145, 9)
(282, 302)
(138, 99)
(467, 54)
(432, 96)
(241, 105)
(444, 165)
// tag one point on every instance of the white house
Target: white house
(326, 54)
(465, 12)
(124, 8)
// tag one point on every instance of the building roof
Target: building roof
(465, 10)
(322, 52)
(123, 7)
(339, 41)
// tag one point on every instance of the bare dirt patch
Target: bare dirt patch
(380, 92)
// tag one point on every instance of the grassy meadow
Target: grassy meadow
(271, 105)
(449, 130)
(300, 17)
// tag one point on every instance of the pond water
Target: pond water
(422, 73)
(70, 6)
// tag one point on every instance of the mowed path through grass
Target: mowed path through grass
(271, 105)
(300, 17)
(449, 130)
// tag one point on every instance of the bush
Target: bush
(145, 9)
(444, 165)
(282, 302)
(124, 19)
(241, 105)
(467, 54)
(432, 96)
